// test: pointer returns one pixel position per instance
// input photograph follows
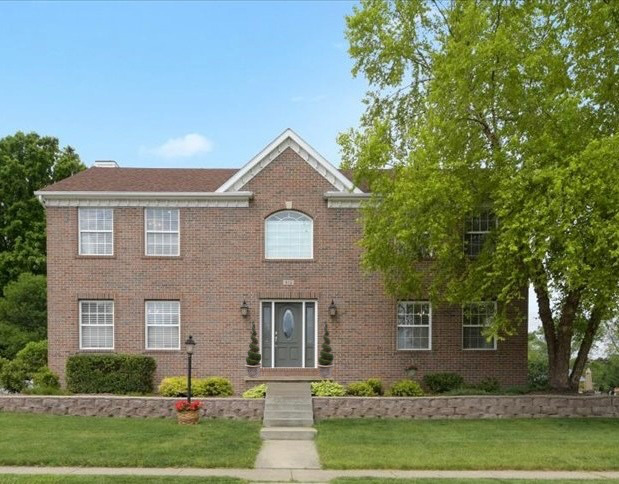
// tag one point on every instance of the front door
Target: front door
(288, 334)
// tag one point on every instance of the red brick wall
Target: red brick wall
(222, 262)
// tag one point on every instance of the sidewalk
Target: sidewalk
(308, 475)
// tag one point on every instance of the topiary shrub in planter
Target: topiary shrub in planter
(360, 389)
(325, 360)
(253, 354)
(259, 391)
(110, 373)
(326, 388)
(406, 388)
(442, 382)
(176, 386)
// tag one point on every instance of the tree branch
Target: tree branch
(545, 314)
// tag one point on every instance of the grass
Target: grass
(523, 444)
(61, 479)
(49, 440)
(370, 480)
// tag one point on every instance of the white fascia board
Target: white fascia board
(345, 200)
(288, 139)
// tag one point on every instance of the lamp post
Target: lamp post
(189, 344)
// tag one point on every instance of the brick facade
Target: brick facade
(222, 263)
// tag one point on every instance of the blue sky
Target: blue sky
(177, 84)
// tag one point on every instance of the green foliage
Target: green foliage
(376, 384)
(489, 385)
(46, 378)
(33, 356)
(442, 382)
(605, 373)
(14, 376)
(326, 352)
(258, 391)
(327, 388)
(110, 373)
(3, 362)
(176, 386)
(360, 389)
(23, 313)
(253, 354)
(537, 377)
(502, 107)
(406, 388)
(28, 162)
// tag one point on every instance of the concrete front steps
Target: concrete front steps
(288, 433)
(288, 412)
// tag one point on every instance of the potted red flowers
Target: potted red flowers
(188, 412)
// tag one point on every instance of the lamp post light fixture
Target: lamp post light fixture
(332, 309)
(189, 344)
(244, 309)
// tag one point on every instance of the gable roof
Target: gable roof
(288, 139)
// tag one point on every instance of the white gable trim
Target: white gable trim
(288, 139)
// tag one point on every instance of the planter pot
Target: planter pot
(253, 371)
(189, 417)
(325, 371)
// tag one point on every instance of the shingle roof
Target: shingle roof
(97, 179)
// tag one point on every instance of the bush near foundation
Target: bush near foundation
(360, 389)
(110, 373)
(442, 382)
(406, 388)
(327, 388)
(176, 386)
(16, 375)
(259, 391)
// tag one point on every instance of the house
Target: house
(139, 259)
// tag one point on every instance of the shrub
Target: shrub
(14, 376)
(489, 385)
(176, 386)
(538, 374)
(376, 384)
(259, 391)
(44, 391)
(442, 382)
(3, 362)
(406, 388)
(110, 373)
(253, 354)
(360, 389)
(327, 388)
(326, 353)
(463, 391)
(45, 378)
(33, 356)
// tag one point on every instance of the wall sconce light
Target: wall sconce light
(332, 309)
(244, 309)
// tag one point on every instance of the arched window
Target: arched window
(289, 235)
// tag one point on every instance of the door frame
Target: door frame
(303, 302)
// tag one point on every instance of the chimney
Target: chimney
(106, 164)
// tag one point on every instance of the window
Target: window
(96, 231)
(289, 235)
(97, 325)
(163, 320)
(162, 231)
(477, 228)
(476, 317)
(414, 322)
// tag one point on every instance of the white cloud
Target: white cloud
(184, 147)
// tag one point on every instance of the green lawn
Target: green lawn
(48, 440)
(366, 480)
(534, 444)
(61, 479)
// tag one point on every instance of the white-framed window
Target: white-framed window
(162, 231)
(414, 321)
(97, 325)
(163, 325)
(289, 235)
(96, 231)
(476, 231)
(475, 318)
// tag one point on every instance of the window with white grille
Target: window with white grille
(477, 229)
(162, 231)
(97, 325)
(163, 320)
(475, 318)
(289, 235)
(96, 231)
(414, 325)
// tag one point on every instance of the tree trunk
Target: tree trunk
(583, 352)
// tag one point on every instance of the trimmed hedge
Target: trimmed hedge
(214, 386)
(110, 373)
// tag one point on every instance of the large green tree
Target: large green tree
(504, 106)
(28, 162)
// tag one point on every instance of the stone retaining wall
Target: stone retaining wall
(115, 406)
(467, 407)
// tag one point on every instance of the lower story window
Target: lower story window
(475, 318)
(163, 319)
(97, 325)
(414, 322)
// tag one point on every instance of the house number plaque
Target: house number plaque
(288, 282)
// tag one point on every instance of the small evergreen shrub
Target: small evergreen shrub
(326, 353)
(33, 356)
(46, 378)
(442, 382)
(176, 386)
(489, 385)
(3, 362)
(360, 389)
(376, 384)
(406, 388)
(110, 373)
(253, 355)
(259, 391)
(14, 376)
(327, 388)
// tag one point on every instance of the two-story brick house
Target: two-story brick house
(138, 259)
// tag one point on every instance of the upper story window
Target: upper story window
(475, 317)
(289, 235)
(162, 231)
(97, 325)
(163, 322)
(414, 325)
(476, 231)
(96, 231)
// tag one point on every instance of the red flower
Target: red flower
(183, 406)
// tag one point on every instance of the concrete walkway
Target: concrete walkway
(305, 475)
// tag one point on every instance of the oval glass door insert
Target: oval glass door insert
(288, 323)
